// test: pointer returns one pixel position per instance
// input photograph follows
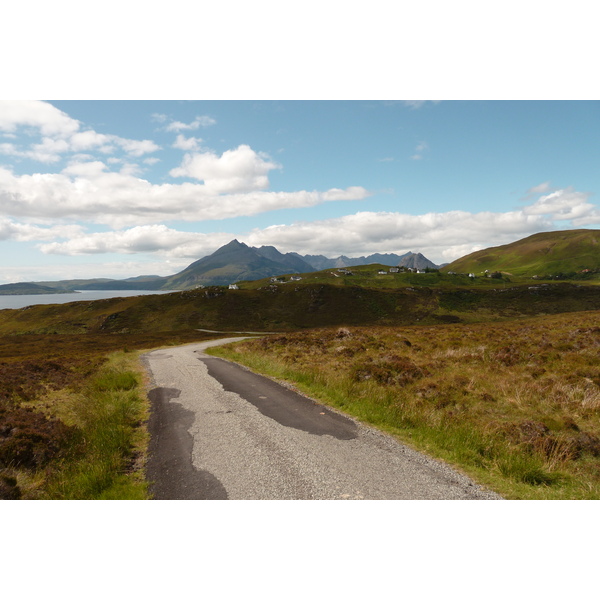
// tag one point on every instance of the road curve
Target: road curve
(219, 431)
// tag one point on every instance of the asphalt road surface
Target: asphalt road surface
(219, 431)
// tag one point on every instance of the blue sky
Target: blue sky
(123, 188)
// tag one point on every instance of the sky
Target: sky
(103, 188)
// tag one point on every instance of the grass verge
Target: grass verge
(102, 459)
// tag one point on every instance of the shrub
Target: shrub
(28, 439)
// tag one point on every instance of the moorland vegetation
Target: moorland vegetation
(72, 414)
(515, 405)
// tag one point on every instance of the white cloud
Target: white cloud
(183, 143)
(60, 133)
(142, 239)
(88, 190)
(24, 232)
(565, 205)
(136, 147)
(198, 122)
(33, 113)
(239, 170)
(91, 192)
(441, 237)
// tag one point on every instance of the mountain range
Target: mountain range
(234, 262)
(557, 253)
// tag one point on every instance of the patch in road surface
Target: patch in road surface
(285, 406)
(170, 471)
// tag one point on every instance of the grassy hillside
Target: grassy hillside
(288, 307)
(370, 276)
(557, 252)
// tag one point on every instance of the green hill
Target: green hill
(542, 254)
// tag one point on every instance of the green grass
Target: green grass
(107, 415)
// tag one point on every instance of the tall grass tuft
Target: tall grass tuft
(108, 414)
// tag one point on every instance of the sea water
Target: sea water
(84, 295)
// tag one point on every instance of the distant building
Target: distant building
(233, 286)
(295, 278)
(394, 270)
(382, 272)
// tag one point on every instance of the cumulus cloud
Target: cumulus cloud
(565, 205)
(142, 239)
(89, 191)
(33, 113)
(440, 236)
(183, 143)
(25, 232)
(239, 170)
(60, 133)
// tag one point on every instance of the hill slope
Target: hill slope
(28, 289)
(289, 307)
(539, 254)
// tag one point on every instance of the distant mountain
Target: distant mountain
(234, 262)
(292, 262)
(410, 259)
(416, 261)
(539, 254)
(143, 282)
(28, 289)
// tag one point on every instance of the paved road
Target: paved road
(219, 431)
